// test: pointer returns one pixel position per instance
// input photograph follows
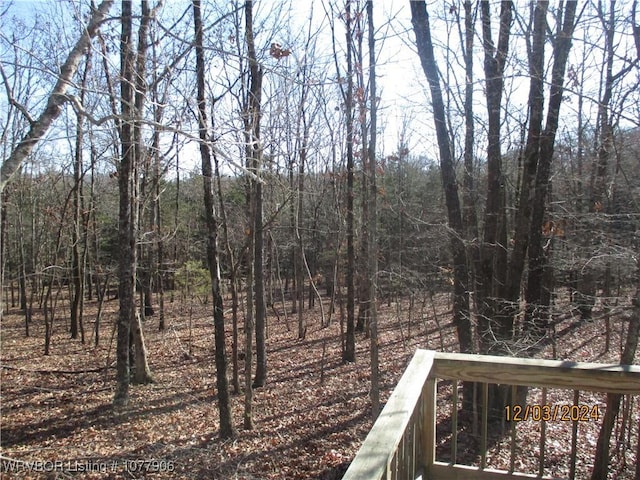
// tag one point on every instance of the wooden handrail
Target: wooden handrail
(375, 456)
(531, 372)
(407, 423)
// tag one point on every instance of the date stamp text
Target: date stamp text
(552, 413)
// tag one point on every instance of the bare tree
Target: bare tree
(126, 224)
(372, 220)
(78, 273)
(224, 405)
(349, 355)
(39, 126)
(537, 294)
(255, 305)
(131, 349)
(57, 97)
(420, 20)
(492, 321)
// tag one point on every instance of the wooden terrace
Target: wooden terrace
(402, 442)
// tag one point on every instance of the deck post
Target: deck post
(384, 452)
(429, 425)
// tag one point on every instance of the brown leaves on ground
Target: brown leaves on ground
(310, 419)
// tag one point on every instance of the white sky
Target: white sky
(401, 83)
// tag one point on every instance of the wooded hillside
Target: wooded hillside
(248, 166)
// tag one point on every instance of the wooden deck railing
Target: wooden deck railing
(401, 443)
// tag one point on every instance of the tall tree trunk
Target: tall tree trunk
(493, 323)
(531, 157)
(3, 242)
(254, 156)
(142, 373)
(420, 21)
(536, 315)
(469, 213)
(349, 354)
(249, 326)
(636, 35)
(605, 124)
(363, 276)
(157, 266)
(299, 245)
(78, 274)
(224, 404)
(233, 280)
(461, 311)
(126, 238)
(372, 220)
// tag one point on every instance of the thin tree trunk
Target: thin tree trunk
(233, 280)
(261, 313)
(601, 462)
(248, 344)
(224, 401)
(77, 269)
(364, 295)
(469, 213)
(3, 242)
(254, 157)
(373, 222)
(420, 20)
(299, 245)
(157, 266)
(350, 340)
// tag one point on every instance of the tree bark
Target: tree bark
(233, 280)
(531, 156)
(254, 157)
(469, 213)
(77, 269)
(126, 237)
(299, 245)
(142, 373)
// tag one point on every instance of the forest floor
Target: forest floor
(310, 418)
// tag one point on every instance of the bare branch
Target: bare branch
(56, 99)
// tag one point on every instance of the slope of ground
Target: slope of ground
(310, 419)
